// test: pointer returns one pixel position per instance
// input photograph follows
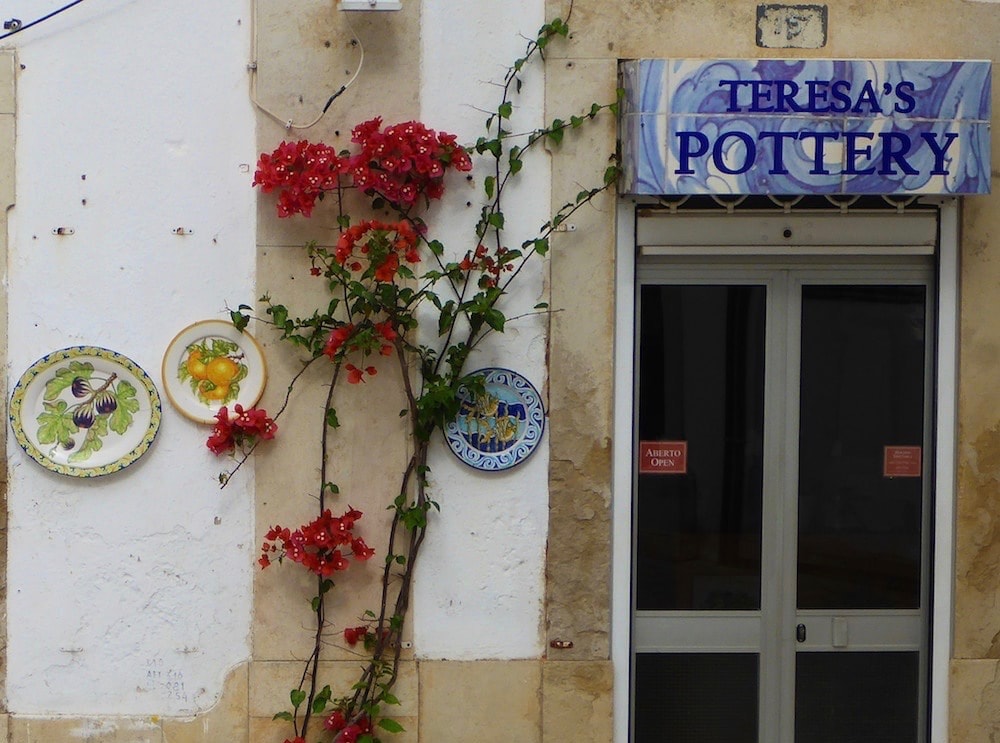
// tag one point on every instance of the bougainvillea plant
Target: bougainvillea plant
(384, 276)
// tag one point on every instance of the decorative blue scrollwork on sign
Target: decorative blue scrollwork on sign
(796, 126)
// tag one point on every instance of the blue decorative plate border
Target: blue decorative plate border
(103, 393)
(501, 429)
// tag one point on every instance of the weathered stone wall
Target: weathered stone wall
(955, 29)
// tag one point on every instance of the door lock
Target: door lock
(800, 633)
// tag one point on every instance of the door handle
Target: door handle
(800, 633)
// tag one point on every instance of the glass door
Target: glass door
(781, 485)
(860, 562)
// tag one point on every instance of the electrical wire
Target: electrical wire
(252, 68)
(26, 26)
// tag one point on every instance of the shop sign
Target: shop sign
(901, 461)
(662, 457)
(794, 126)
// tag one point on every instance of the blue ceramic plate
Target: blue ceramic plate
(501, 428)
(85, 411)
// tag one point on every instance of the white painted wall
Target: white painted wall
(481, 582)
(122, 584)
(130, 594)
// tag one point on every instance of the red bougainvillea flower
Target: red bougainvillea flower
(317, 545)
(404, 161)
(352, 732)
(377, 248)
(335, 722)
(301, 172)
(248, 426)
(400, 164)
(353, 634)
(387, 334)
(490, 266)
(338, 336)
(356, 375)
(361, 550)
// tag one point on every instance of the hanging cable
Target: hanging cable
(25, 26)
(252, 68)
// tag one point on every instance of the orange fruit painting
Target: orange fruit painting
(213, 369)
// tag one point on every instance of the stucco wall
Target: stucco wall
(130, 593)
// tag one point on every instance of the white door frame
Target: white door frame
(945, 398)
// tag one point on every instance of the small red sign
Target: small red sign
(902, 461)
(663, 457)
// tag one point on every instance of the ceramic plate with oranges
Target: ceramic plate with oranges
(212, 364)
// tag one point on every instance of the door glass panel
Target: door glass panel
(696, 698)
(856, 697)
(701, 382)
(860, 439)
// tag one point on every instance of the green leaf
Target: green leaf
(240, 321)
(494, 318)
(488, 185)
(447, 317)
(542, 306)
(286, 716)
(298, 696)
(92, 442)
(320, 702)
(331, 418)
(278, 313)
(55, 423)
(121, 418)
(390, 725)
(315, 603)
(64, 377)
(575, 121)
(556, 133)
(496, 220)
(542, 245)
(505, 110)
(389, 698)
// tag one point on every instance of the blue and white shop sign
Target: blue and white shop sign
(805, 126)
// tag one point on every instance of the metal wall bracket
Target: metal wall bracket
(370, 4)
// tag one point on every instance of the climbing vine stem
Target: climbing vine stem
(377, 303)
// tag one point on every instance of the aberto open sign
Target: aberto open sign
(663, 457)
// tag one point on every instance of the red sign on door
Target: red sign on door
(663, 457)
(901, 461)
